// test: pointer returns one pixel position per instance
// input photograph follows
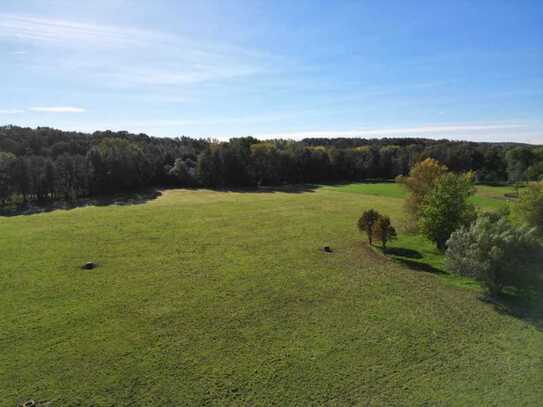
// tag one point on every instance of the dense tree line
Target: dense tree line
(45, 163)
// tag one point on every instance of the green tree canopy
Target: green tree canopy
(421, 180)
(529, 207)
(6, 161)
(447, 208)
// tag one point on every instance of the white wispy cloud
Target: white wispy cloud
(157, 77)
(113, 55)
(58, 109)
(449, 130)
(40, 29)
(11, 111)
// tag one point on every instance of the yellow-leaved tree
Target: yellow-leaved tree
(421, 180)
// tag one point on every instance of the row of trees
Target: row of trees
(45, 163)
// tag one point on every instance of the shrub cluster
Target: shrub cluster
(497, 253)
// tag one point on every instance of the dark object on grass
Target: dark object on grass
(89, 265)
(28, 403)
(327, 249)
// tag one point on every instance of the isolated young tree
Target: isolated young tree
(366, 223)
(446, 208)
(496, 253)
(528, 209)
(383, 230)
(421, 180)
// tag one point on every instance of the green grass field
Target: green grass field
(214, 298)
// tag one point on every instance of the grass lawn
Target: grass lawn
(217, 298)
(388, 190)
(486, 197)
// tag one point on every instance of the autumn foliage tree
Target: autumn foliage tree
(421, 180)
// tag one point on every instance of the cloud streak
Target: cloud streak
(113, 55)
(450, 130)
(68, 32)
(11, 111)
(58, 109)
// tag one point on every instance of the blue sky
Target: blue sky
(440, 69)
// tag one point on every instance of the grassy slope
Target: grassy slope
(213, 297)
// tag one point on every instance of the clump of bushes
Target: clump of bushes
(377, 226)
(497, 253)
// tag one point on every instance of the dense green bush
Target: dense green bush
(497, 253)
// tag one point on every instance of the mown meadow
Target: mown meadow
(218, 298)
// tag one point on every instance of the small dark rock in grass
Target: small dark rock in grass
(327, 249)
(32, 403)
(89, 265)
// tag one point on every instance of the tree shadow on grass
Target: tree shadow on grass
(403, 252)
(130, 198)
(526, 306)
(405, 257)
(419, 266)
